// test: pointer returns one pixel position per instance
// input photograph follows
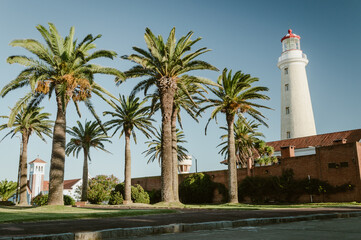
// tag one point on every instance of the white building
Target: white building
(37, 185)
(184, 166)
(296, 108)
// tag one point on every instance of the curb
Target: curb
(117, 233)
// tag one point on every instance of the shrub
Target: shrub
(68, 200)
(199, 188)
(100, 187)
(42, 200)
(138, 195)
(285, 188)
(154, 196)
(7, 189)
(116, 198)
(6, 203)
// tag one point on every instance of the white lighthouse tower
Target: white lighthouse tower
(296, 108)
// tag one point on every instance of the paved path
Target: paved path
(183, 216)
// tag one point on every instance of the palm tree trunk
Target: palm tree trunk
(19, 174)
(84, 191)
(24, 170)
(56, 175)
(167, 87)
(232, 168)
(127, 169)
(175, 155)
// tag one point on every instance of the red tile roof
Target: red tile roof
(317, 140)
(37, 160)
(68, 184)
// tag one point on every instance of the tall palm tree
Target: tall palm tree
(28, 121)
(129, 115)
(154, 151)
(234, 97)
(164, 65)
(182, 100)
(60, 67)
(83, 138)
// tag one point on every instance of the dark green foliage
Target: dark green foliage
(199, 188)
(284, 188)
(138, 194)
(42, 200)
(6, 203)
(116, 198)
(154, 196)
(68, 200)
(7, 189)
(100, 187)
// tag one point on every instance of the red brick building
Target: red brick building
(333, 157)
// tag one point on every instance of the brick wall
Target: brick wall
(337, 164)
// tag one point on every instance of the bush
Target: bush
(68, 200)
(138, 195)
(7, 189)
(155, 196)
(284, 188)
(199, 188)
(6, 203)
(42, 200)
(100, 187)
(116, 198)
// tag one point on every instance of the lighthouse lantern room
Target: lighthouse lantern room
(296, 108)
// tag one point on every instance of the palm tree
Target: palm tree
(128, 116)
(83, 138)
(235, 97)
(154, 150)
(182, 100)
(165, 65)
(60, 67)
(27, 122)
(247, 143)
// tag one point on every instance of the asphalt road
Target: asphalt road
(334, 229)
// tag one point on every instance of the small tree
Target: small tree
(83, 138)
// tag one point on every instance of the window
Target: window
(286, 70)
(332, 165)
(288, 134)
(343, 164)
(287, 110)
(286, 87)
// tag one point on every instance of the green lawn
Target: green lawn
(22, 214)
(242, 206)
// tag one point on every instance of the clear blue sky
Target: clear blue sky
(244, 35)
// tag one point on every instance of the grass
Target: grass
(45, 213)
(242, 206)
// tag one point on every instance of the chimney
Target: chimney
(287, 151)
(339, 141)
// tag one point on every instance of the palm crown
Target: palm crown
(28, 121)
(130, 114)
(62, 65)
(85, 137)
(236, 95)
